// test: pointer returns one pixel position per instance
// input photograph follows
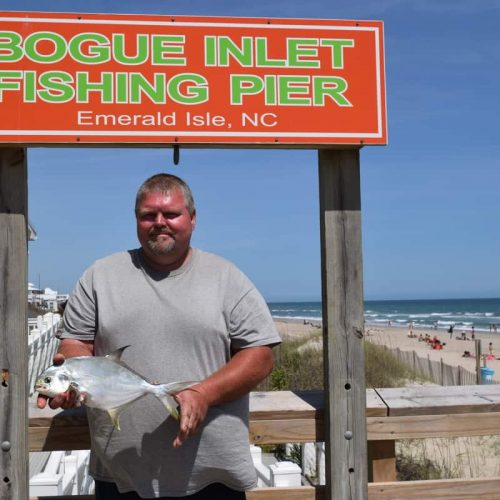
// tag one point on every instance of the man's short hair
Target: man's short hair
(165, 183)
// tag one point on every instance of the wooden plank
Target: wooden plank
(275, 417)
(303, 404)
(277, 423)
(342, 302)
(290, 493)
(441, 400)
(375, 406)
(441, 489)
(286, 431)
(13, 325)
(426, 426)
(382, 461)
(54, 430)
(286, 404)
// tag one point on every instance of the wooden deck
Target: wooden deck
(391, 414)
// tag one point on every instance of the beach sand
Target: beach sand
(452, 352)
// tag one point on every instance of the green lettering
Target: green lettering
(139, 86)
(85, 87)
(332, 87)
(58, 50)
(56, 88)
(210, 54)
(165, 45)
(242, 85)
(121, 87)
(337, 49)
(10, 50)
(6, 85)
(242, 55)
(141, 52)
(29, 86)
(296, 51)
(270, 93)
(180, 91)
(261, 55)
(96, 49)
(289, 85)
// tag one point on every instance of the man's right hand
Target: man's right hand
(68, 399)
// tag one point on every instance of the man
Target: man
(186, 315)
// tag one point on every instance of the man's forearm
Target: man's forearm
(244, 371)
(71, 348)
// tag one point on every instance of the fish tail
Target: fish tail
(165, 393)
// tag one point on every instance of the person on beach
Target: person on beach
(184, 314)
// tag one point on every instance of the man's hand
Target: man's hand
(68, 399)
(193, 409)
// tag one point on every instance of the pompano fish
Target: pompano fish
(107, 383)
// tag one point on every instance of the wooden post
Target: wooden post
(13, 325)
(343, 330)
(477, 345)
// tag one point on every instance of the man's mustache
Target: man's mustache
(156, 232)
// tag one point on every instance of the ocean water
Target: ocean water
(440, 313)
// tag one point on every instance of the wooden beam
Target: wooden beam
(343, 328)
(441, 400)
(13, 325)
(430, 426)
(440, 489)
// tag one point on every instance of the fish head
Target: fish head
(53, 381)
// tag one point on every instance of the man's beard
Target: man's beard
(160, 247)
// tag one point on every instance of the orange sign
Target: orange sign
(95, 78)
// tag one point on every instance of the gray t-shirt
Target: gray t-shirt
(180, 325)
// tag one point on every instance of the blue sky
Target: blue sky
(430, 199)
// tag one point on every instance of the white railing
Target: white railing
(275, 474)
(65, 473)
(42, 344)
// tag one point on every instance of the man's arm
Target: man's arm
(68, 348)
(238, 377)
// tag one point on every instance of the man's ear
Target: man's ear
(193, 219)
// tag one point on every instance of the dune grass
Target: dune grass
(298, 365)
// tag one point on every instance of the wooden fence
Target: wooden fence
(391, 414)
(437, 371)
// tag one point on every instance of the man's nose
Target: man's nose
(160, 219)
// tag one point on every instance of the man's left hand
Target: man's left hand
(193, 409)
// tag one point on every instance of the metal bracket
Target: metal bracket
(176, 154)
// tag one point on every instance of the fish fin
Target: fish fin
(170, 404)
(165, 392)
(114, 414)
(116, 355)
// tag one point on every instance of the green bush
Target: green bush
(298, 365)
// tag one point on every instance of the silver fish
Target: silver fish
(105, 382)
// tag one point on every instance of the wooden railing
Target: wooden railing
(287, 417)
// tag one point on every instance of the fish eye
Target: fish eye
(47, 380)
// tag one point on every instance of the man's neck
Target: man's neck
(163, 263)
